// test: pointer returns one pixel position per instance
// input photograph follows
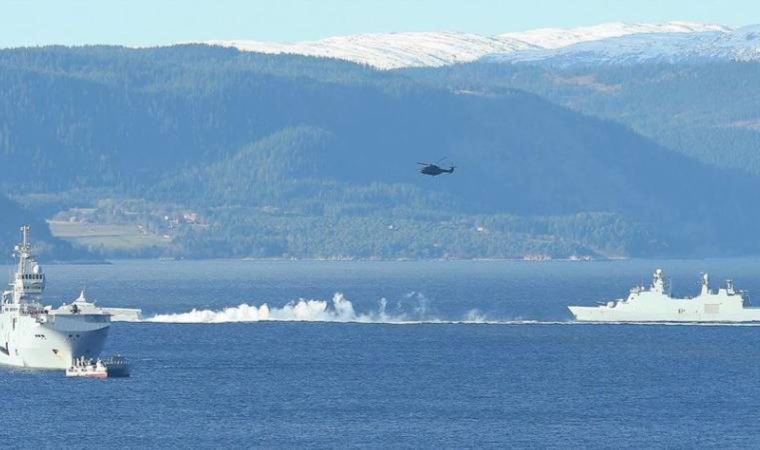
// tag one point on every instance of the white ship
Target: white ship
(654, 304)
(37, 336)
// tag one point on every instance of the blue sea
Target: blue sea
(436, 354)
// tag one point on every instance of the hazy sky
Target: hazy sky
(152, 22)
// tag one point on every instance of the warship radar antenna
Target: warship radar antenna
(23, 250)
(29, 279)
(25, 235)
(705, 283)
(658, 284)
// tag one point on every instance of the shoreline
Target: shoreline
(112, 261)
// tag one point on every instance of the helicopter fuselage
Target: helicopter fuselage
(434, 170)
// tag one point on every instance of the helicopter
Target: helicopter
(433, 169)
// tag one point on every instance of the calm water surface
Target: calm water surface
(316, 384)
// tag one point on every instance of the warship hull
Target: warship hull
(53, 344)
(673, 314)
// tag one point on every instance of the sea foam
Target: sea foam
(339, 309)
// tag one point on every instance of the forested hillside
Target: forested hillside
(710, 111)
(12, 216)
(220, 153)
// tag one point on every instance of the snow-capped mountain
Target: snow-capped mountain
(433, 49)
(393, 50)
(742, 44)
(562, 37)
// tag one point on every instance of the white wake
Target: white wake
(339, 309)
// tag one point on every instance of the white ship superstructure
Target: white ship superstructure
(654, 304)
(37, 336)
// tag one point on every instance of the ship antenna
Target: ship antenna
(25, 234)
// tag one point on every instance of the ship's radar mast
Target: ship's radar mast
(705, 284)
(25, 236)
(730, 287)
(22, 250)
(658, 285)
(29, 280)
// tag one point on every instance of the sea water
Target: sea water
(393, 354)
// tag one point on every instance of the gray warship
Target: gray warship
(655, 304)
(37, 336)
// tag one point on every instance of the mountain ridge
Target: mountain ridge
(741, 44)
(435, 49)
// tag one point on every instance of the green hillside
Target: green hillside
(708, 111)
(12, 216)
(206, 151)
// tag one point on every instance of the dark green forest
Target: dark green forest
(12, 216)
(289, 156)
(708, 111)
